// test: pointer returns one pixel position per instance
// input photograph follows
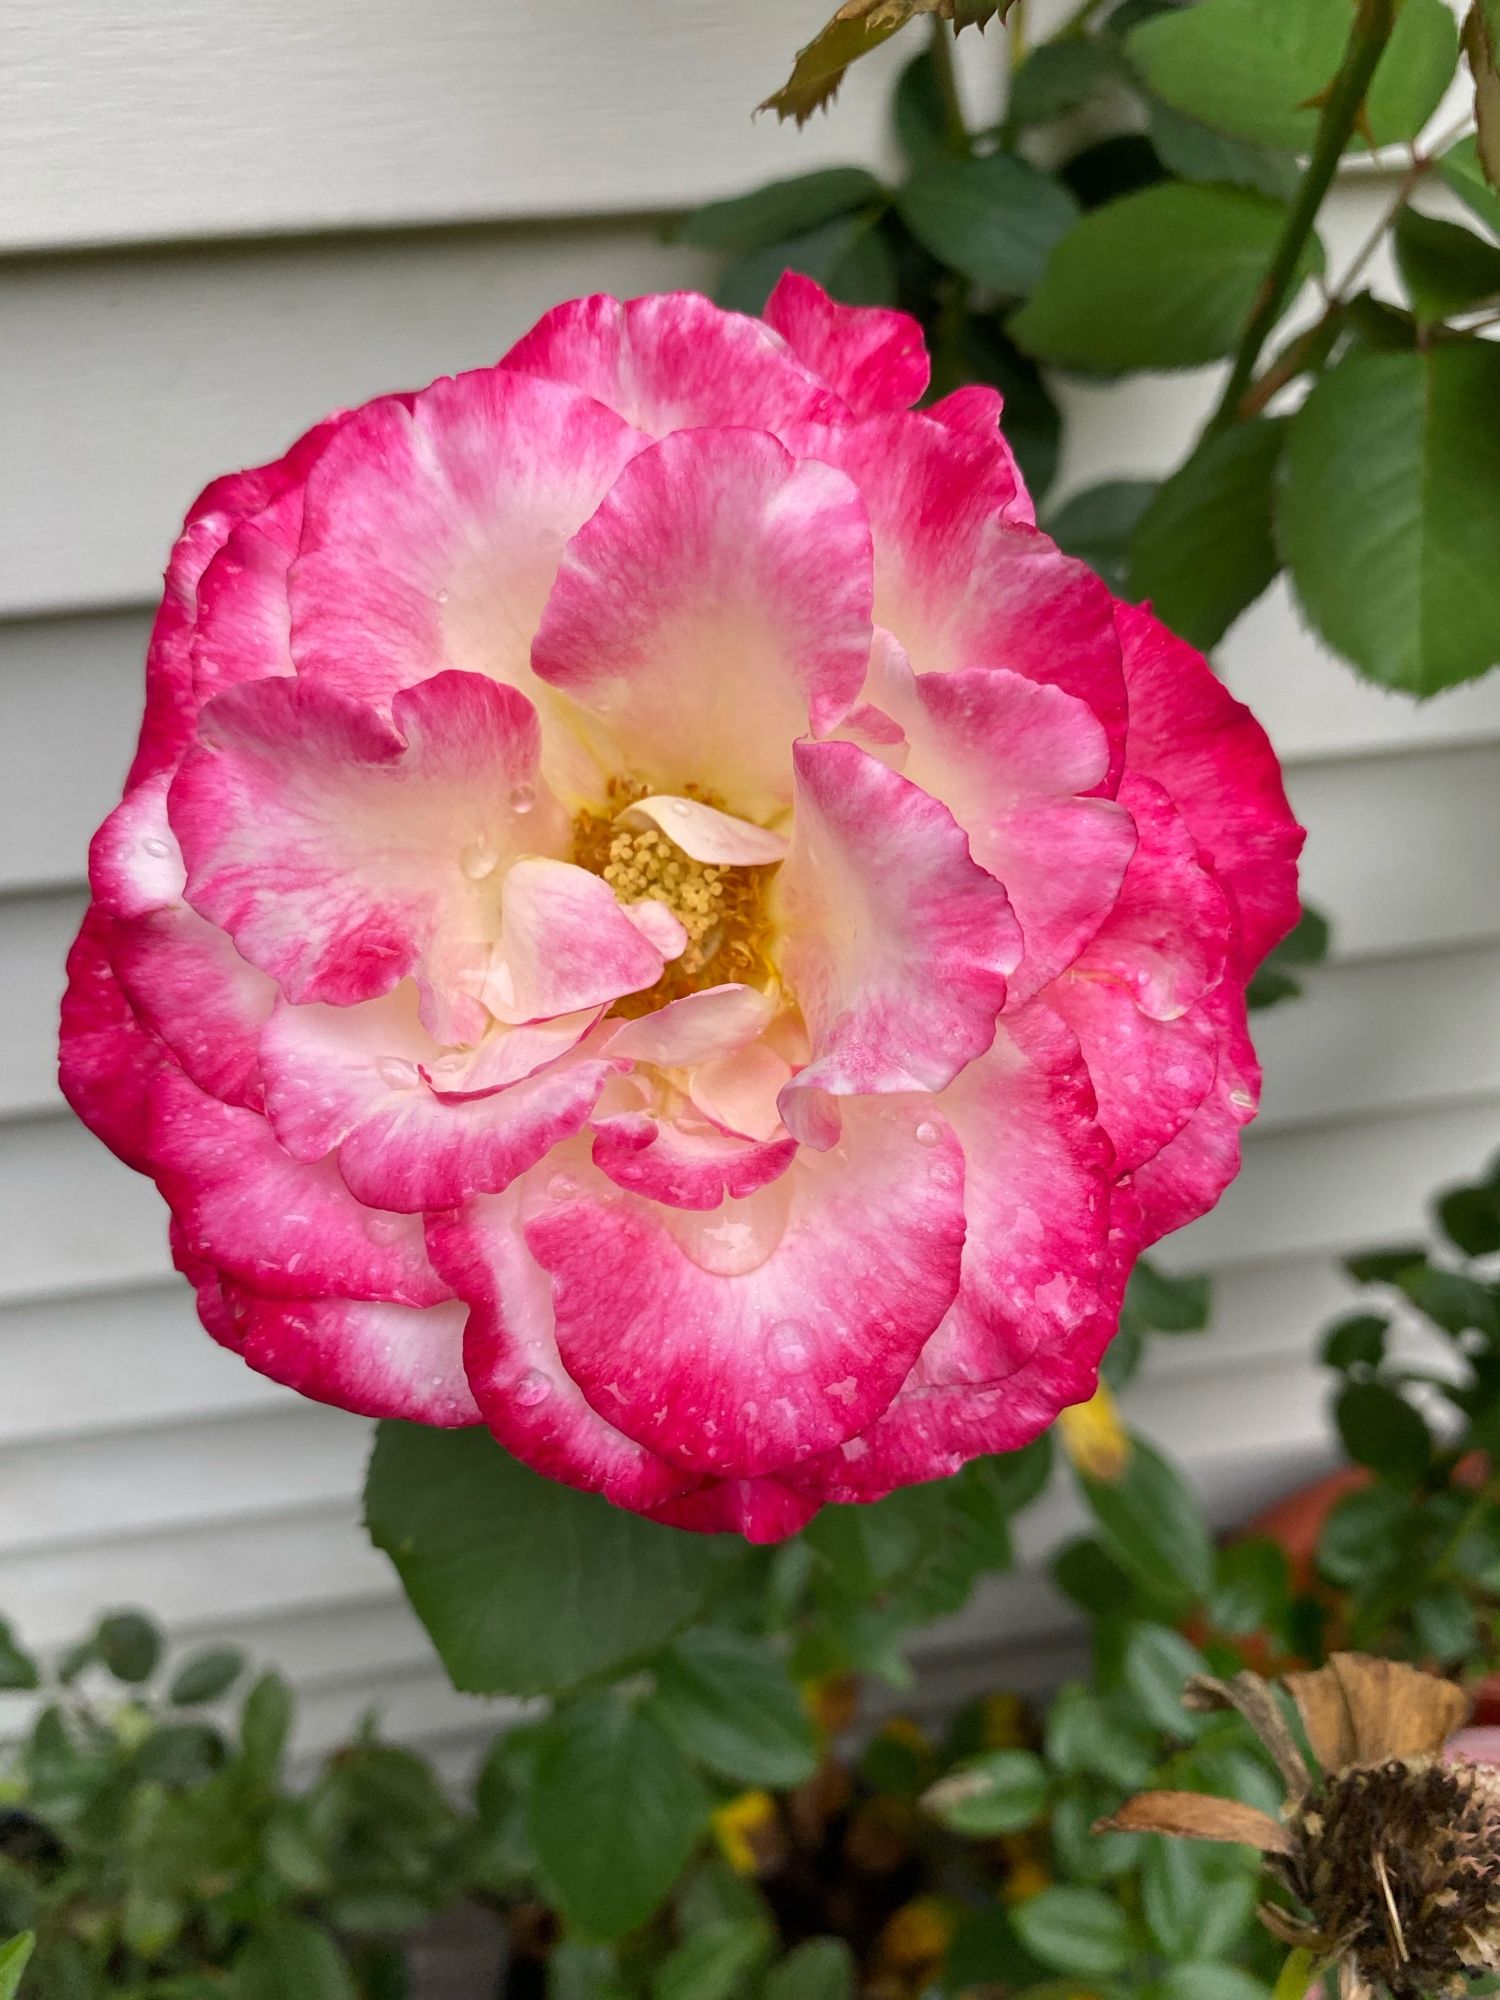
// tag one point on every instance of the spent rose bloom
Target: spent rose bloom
(654, 910)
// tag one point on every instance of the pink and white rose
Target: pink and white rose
(655, 911)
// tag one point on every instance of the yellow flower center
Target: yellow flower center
(721, 907)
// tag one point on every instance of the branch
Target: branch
(1340, 115)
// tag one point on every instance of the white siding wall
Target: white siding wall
(149, 340)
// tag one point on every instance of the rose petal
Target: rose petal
(342, 852)
(896, 944)
(674, 362)
(716, 605)
(875, 359)
(738, 1341)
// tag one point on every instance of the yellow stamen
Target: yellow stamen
(720, 907)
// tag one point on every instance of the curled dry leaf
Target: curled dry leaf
(1389, 1856)
(1482, 46)
(858, 27)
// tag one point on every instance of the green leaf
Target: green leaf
(821, 63)
(1471, 1219)
(265, 1725)
(205, 1676)
(1355, 1342)
(996, 219)
(709, 1964)
(1154, 1527)
(1110, 168)
(129, 1644)
(1252, 68)
(18, 1670)
(1460, 168)
(1080, 1931)
(771, 214)
(1384, 1267)
(1196, 1897)
(14, 1955)
(1099, 1736)
(1199, 1981)
(917, 112)
(1306, 943)
(1252, 1589)
(179, 1753)
(1167, 1303)
(1269, 987)
(1057, 77)
(613, 1814)
(1156, 1666)
(821, 1969)
(1377, 324)
(1018, 1477)
(1204, 550)
(1445, 268)
(1444, 1624)
(525, 1585)
(1363, 1537)
(1450, 1299)
(1161, 279)
(1389, 514)
(292, 1957)
(1096, 525)
(1196, 152)
(1085, 1571)
(849, 258)
(1000, 1791)
(1381, 1430)
(727, 1700)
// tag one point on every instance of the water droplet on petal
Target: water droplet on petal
(443, 596)
(157, 847)
(478, 860)
(561, 1186)
(945, 1174)
(522, 798)
(681, 808)
(397, 1072)
(383, 1227)
(533, 1388)
(928, 1134)
(787, 1345)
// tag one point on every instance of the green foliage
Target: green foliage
(1150, 1522)
(1255, 68)
(1078, 1931)
(1160, 279)
(1097, 524)
(996, 219)
(821, 1969)
(726, 1699)
(1000, 1791)
(1388, 513)
(1444, 267)
(146, 1852)
(614, 1811)
(528, 1586)
(1204, 549)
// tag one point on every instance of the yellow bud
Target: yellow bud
(736, 1824)
(1095, 1439)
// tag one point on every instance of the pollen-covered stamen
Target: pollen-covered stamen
(719, 904)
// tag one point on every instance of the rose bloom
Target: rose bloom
(655, 911)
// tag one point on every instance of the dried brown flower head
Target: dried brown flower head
(1391, 1855)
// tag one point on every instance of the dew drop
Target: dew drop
(443, 596)
(522, 798)
(681, 808)
(787, 1345)
(397, 1072)
(944, 1174)
(928, 1134)
(382, 1227)
(533, 1388)
(157, 847)
(561, 1186)
(478, 860)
